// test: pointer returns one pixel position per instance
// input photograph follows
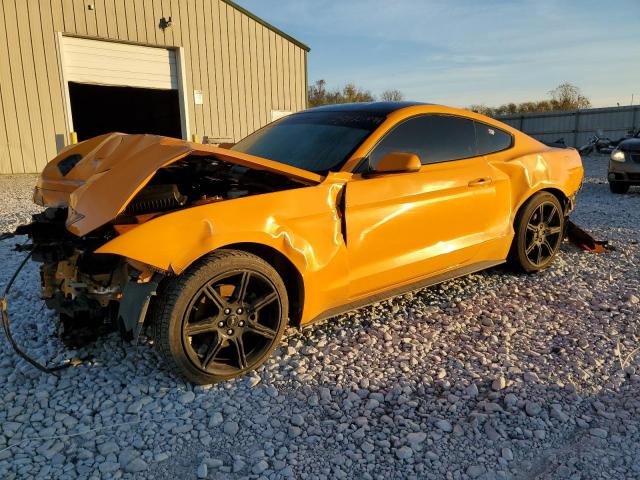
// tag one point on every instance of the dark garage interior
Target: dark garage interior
(99, 109)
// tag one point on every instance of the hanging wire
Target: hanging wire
(7, 329)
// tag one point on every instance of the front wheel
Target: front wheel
(221, 318)
(539, 230)
(618, 187)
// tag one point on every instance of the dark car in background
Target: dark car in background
(624, 165)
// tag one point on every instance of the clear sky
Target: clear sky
(461, 52)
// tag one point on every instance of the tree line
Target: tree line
(565, 96)
(319, 94)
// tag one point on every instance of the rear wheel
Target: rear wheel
(539, 230)
(222, 318)
(618, 187)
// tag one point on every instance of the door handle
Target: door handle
(479, 182)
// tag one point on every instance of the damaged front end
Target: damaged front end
(92, 293)
(105, 187)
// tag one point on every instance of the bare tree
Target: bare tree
(568, 97)
(350, 93)
(482, 109)
(392, 96)
(317, 93)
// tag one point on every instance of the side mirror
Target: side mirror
(397, 162)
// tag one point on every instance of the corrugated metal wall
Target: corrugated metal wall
(244, 68)
(578, 125)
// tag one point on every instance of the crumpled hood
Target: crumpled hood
(114, 167)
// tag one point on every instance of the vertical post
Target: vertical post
(183, 96)
(65, 84)
(575, 129)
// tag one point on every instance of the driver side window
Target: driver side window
(433, 138)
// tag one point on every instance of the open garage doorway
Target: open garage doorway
(99, 109)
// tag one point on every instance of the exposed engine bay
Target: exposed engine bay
(198, 180)
(94, 293)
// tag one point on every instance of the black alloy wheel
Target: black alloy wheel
(539, 232)
(222, 318)
(231, 321)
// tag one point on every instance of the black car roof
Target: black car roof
(384, 108)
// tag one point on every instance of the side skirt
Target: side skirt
(395, 291)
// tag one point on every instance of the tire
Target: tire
(618, 187)
(539, 231)
(226, 303)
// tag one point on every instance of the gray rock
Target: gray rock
(474, 471)
(136, 465)
(372, 404)
(238, 465)
(161, 457)
(297, 420)
(325, 394)
(216, 419)
(444, 425)
(187, 397)
(472, 390)
(599, 432)
(180, 429)
(214, 462)
(135, 407)
(202, 471)
(107, 448)
(126, 456)
(507, 454)
(532, 408)
(231, 428)
(53, 450)
(556, 412)
(510, 400)
(260, 467)
(415, 438)
(492, 407)
(109, 467)
(404, 453)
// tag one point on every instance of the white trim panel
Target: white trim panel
(120, 64)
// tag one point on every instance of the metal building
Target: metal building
(196, 69)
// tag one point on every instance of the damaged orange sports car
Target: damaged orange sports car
(215, 251)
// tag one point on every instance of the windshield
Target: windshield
(316, 141)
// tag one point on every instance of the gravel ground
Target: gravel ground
(495, 375)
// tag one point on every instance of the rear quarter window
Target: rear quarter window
(491, 139)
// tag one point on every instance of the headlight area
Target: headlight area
(92, 293)
(97, 293)
(618, 155)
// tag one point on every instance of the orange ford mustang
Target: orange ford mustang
(217, 250)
